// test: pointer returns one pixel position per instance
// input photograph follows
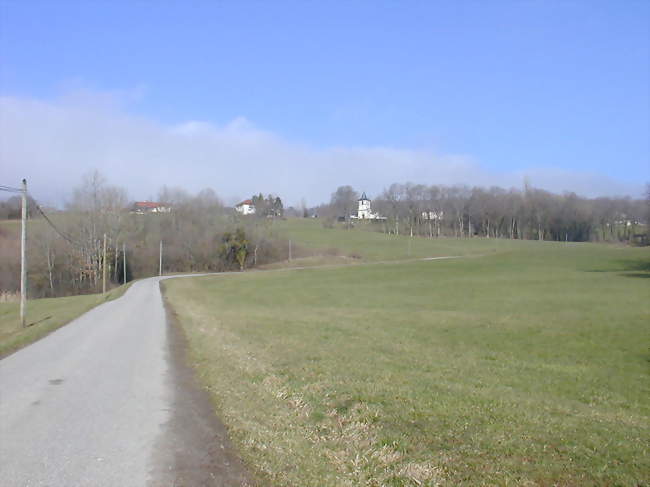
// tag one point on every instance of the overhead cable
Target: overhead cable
(67, 238)
(10, 189)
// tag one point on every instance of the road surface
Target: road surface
(107, 401)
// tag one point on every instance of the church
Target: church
(364, 212)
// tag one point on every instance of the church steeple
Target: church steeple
(364, 211)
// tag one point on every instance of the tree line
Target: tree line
(529, 213)
(66, 252)
(271, 206)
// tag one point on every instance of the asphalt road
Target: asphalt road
(107, 401)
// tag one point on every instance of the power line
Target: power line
(10, 189)
(67, 238)
(62, 234)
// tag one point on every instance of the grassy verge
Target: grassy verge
(45, 316)
(525, 367)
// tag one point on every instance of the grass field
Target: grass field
(45, 316)
(368, 245)
(524, 364)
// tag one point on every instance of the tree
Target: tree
(278, 207)
(415, 203)
(457, 204)
(234, 248)
(11, 208)
(261, 205)
(434, 202)
(344, 201)
(96, 209)
(392, 203)
(207, 201)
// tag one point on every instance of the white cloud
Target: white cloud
(52, 143)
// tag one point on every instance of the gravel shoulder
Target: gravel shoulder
(194, 449)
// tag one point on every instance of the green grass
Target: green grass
(44, 316)
(11, 225)
(370, 245)
(526, 366)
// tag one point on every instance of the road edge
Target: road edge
(194, 448)
(111, 295)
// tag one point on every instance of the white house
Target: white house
(432, 215)
(246, 207)
(143, 207)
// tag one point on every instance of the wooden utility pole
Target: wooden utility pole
(124, 260)
(23, 259)
(160, 261)
(104, 268)
(115, 278)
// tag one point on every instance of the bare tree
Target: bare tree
(529, 214)
(394, 198)
(344, 201)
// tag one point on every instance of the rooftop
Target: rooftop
(147, 204)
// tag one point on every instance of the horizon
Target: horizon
(232, 202)
(297, 99)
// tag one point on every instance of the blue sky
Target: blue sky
(509, 88)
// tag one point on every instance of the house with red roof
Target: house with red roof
(246, 207)
(144, 207)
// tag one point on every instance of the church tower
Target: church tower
(364, 211)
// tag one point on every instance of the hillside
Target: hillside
(521, 363)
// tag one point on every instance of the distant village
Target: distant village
(271, 207)
(530, 213)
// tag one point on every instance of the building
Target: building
(144, 207)
(432, 215)
(246, 207)
(364, 211)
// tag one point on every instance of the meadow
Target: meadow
(367, 244)
(521, 363)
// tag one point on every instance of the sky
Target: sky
(297, 98)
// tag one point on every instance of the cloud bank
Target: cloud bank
(53, 142)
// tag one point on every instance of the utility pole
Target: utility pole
(289, 250)
(124, 260)
(160, 261)
(104, 268)
(115, 278)
(23, 260)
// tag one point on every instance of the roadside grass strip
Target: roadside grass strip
(44, 316)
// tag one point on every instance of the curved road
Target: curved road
(107, 401)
